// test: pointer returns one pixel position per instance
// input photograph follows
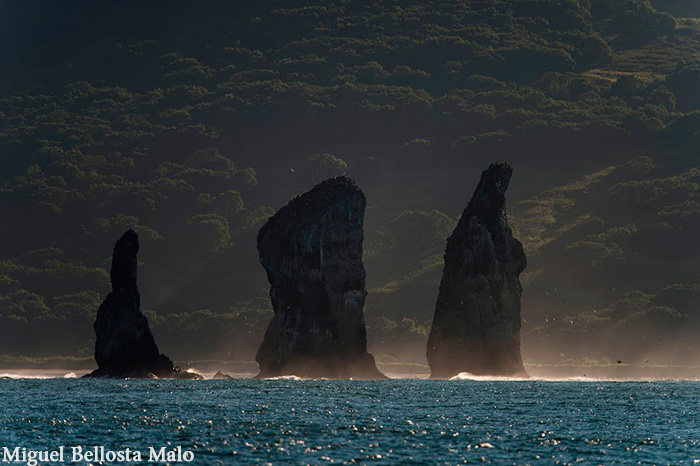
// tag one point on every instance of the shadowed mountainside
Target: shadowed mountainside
(188, 123)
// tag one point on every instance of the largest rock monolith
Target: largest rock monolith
(124, 345)
(476, 327)
(311, 250)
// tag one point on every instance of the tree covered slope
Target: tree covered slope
(193, 123)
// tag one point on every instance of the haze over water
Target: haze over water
(289, 421)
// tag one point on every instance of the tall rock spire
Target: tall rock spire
(124, 345)
(476, 327)
(311, 250)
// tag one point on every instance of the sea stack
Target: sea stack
(125, 346)
(476, 327)
(311, 250)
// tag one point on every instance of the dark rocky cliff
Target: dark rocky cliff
(124, 345)
(476, 327)
(312, 252)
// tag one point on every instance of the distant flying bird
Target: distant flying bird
(292, 170)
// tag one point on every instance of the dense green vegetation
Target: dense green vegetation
(193, 123)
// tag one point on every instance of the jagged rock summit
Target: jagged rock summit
(124, 345)
(311, 250)
(476, 327)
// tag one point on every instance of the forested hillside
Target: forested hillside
(192, 122)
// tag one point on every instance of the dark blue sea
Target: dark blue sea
(392, 422)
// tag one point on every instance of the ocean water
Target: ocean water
(391, 422)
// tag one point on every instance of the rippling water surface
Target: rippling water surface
(364, 422)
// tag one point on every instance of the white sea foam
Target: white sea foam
(489, 378)
(8, 375)
(284, 377)
(485, 378)
(40, 374)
